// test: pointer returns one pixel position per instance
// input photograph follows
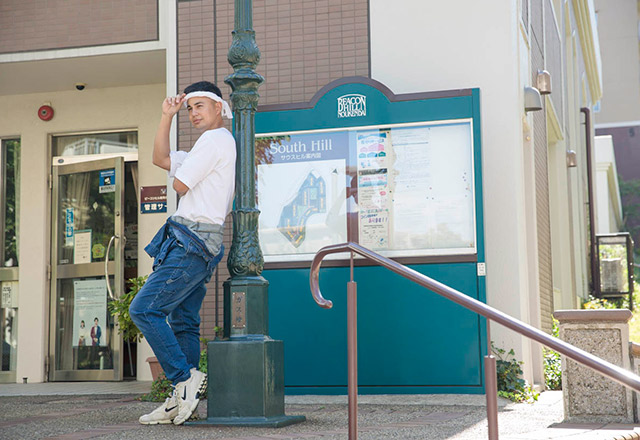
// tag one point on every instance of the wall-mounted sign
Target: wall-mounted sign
(153, 199)
(82, 247)
(352, 105)
(9, 294)
(107, 181)
(68, 226)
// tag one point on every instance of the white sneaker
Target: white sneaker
(162, 415)
(188, 394)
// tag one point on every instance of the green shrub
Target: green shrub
(120, 308)
(552, 363)
(160, 389)
(602, 303)
(203, 363)
(509, 377)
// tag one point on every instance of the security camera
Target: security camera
(80, 86)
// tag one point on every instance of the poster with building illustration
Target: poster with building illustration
(301, 193)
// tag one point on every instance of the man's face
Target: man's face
(204, 113)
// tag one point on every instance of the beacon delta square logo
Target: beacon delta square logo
(351, 106)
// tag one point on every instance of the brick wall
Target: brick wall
(545, 275)
(28, 25)
(305, 44)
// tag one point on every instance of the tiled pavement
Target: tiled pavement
(109, 411)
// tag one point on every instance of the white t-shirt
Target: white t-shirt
(209, 170)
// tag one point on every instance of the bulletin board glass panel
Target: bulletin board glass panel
(401, 190)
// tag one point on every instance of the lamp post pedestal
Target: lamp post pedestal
(246, 371)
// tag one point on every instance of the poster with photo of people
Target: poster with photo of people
(90, 313)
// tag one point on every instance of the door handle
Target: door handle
(106, 267)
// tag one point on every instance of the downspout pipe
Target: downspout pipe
(595, 273)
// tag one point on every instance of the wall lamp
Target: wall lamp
(543, 82)
(532, 100)
(572, 159)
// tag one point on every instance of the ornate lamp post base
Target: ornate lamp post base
(246, 387)
(246, 372)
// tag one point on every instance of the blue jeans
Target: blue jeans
(167, 308)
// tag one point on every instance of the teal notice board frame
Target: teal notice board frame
(410, 340)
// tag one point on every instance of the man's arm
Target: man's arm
(180, 187)
(161, 146)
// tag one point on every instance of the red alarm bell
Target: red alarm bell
(45, 112)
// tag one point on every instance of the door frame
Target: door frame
(70, 165)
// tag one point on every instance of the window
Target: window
(95, 143)
(10, 200)
(9, 255)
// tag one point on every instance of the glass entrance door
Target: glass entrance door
(86, 269)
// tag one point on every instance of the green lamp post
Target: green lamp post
(246, 369)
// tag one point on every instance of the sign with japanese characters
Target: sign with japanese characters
(301, 192)
(153, 199)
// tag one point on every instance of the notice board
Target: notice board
(400, 174)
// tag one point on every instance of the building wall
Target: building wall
(28, 25)
(102, 109)
(537, 26)
(618, 30)
(396, 62)
(522, 161)
(619, 115)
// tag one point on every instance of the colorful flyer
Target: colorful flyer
(374, 228)
(372, 149)
(68, 227)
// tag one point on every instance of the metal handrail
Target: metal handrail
(605, 368)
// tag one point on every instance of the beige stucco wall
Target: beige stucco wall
(489, 47)
(459, 64)
(92, 109)
(618, 31)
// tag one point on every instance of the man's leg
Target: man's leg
(170, 284)
(185, 323)
(185, 319)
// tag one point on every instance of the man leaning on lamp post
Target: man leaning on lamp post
(188, 247)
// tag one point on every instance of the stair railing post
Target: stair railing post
(491, 388)
(352, 341)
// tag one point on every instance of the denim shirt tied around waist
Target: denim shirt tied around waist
(173, 234)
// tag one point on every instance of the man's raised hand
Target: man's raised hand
(172, 104)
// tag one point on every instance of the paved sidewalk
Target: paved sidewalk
(109, 411)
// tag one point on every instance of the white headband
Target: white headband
(226, 110)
